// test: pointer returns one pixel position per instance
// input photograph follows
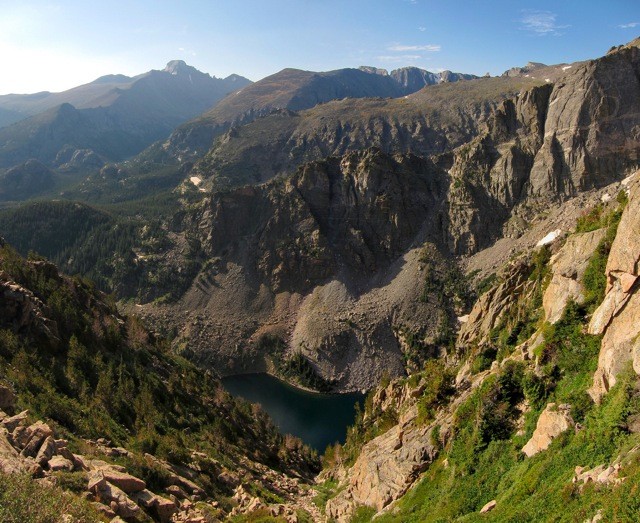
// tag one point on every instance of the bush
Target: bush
(23, 500)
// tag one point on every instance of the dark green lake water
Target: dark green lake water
(317, 419)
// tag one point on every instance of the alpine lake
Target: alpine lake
(317, 419)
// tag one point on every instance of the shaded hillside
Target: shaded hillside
(185, 90)
(432, 121)
(114, 117)
(120, 252)
(139, 419)
(22, 181)
(291, 89)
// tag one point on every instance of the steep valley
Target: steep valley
(332, 258)
(467, 253)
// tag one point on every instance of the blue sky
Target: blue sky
(49, 45)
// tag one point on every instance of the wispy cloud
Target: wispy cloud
(399, 58)
(541, 23)
(422, 28)
(432, 48)
(629, 25)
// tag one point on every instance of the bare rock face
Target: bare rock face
(495, 304)
(385, 469)
(10, 462)
(553, 421)
(22, 311)
(116, 499)
(568, 267)
(592, 127)
(618, 317)
(160, 507)
(489, 506)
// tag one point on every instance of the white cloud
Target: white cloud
(629, 25)
(431, 48)
(422, 28)
(399, 58)
(541, 23)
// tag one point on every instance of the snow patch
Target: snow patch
(549, 238)
(567, 67)
(547, 80)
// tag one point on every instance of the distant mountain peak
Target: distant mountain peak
(374, 70)
(176, 67)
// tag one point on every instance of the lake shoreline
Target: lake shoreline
(318, 419)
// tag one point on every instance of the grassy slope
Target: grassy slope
(483, 461)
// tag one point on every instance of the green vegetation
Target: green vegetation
(106, 376)
(370, 422)
(438, 388)
(326, 491)
(482, 460)
(122, 255)
(486, 283)
(594, 279)
(295, 368)
(533, 489)
(24, 500)
(524, 318)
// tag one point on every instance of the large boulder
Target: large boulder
(122, 480)
(161, 508)
(32, 438)
(385, 469)
(10, 461)
(10, 424)
(7, 397)
(115, 498)
(553, 421)
(568, 267)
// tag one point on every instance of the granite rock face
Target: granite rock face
(568, 267)
(554, 420)
(618, 317)
(317, 249)
(592, 127)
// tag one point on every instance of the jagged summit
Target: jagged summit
(373, 70)
(176, 67)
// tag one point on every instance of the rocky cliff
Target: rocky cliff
(319, 254)
(295, 90)
(524, 362)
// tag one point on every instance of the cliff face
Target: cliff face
(302, 253)
(591, 128)
(319, 254)
(617, 317)
(541, 324)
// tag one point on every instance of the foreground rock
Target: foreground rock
(568, 267)
(618, 317)
(554, 420)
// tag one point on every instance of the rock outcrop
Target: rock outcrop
(618, 317)
(554, 420)
(568, 266)
(386, 467)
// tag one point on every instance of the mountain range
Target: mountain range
(467, 251)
